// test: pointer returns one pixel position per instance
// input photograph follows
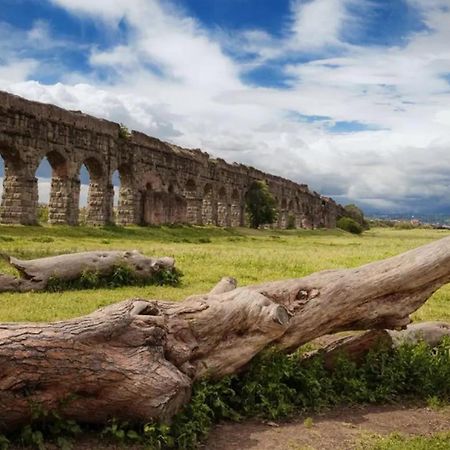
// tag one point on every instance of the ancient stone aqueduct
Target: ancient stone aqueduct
(159, 182)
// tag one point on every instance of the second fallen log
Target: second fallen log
(36, 274)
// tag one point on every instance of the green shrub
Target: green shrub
(350, 225)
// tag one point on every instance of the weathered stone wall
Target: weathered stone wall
(159, 182)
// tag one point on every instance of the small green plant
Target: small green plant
(350, 225)
(124, 132)
(48, 426)
(308, 422)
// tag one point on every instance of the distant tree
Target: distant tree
(260, 204)
(356, 214)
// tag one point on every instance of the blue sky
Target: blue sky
(349, 96)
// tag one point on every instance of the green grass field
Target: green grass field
(204, 255)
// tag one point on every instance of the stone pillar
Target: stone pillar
(19, 200)
(209, 211)
(282, 221)
(223, 214)
(194, 211)
(127, 207)
(99, 203)
(63, 202)
(235, 213)
(244, 217)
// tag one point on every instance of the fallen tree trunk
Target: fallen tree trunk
(138, 359)
(356, 347)
(36, 273)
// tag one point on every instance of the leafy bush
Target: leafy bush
(350, 225)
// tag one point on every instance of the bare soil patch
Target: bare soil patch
(338, 429)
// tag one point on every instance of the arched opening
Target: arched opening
(237, 210)
(190, 188)
(44, 182)
(91, 198)
(209, 210)
(223, 208)
(115, 182)
(123, 198)
(53, 191)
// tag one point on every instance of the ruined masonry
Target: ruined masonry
(159, 182)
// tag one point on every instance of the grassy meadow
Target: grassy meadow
(204, 255)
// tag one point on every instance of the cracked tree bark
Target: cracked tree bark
(138, 359)
(35, 273)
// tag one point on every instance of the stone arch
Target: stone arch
(161, 202)
(209, 207)
(223, 208)
(60, 198)
(176, 204)
(126, 195)
(190, 188)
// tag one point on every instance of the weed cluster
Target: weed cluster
(277, 385)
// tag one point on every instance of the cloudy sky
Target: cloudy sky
(349, 96)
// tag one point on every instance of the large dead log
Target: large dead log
(137, 360)
(36, 273)
(357, 346)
